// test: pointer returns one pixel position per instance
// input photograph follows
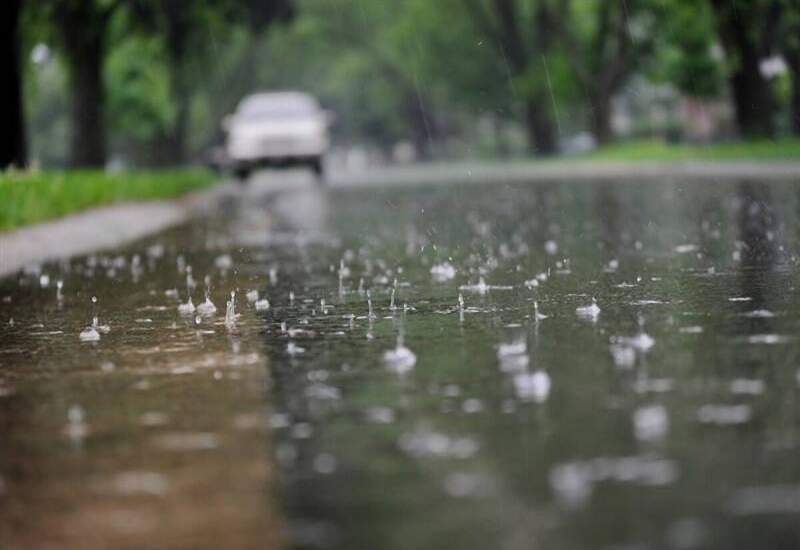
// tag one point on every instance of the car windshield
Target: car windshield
(279, 107)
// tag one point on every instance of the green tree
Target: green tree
(184, 27)
(81, 29)
(607, 41)
(747, 30)
(140, 107)
(359, 59)
(685, 42)
(450, 54)
(524, 38)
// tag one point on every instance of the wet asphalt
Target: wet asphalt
(416, 366)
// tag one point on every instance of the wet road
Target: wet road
(430, 372)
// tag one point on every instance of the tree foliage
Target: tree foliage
(149, 80)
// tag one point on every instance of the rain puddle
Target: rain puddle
(570, 365)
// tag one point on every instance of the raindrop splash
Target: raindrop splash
(230, 311)
(400, 359)
(370, 313)
(590, 312)
(186, 309)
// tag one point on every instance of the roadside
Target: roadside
(661, 151)
(33, 197)
(120, 222)
(629, 160)
(27, 198)
(100, 228)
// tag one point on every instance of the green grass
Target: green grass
(31, 197)
(652, 150)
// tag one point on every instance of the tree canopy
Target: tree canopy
(148, 81)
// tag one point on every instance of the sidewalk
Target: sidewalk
(100, 228)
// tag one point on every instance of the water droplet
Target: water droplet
(400, 359)
(650, 423)
(89, 334)
(186, 309)
(589, 312)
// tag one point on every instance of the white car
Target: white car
(277, 129)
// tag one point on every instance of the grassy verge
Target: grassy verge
(27, 198)
(651, 150)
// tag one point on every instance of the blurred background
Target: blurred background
(142, 83)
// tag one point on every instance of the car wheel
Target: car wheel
(241, 174)
(318, 169)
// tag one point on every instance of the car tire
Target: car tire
(318, 169)
(241, 174)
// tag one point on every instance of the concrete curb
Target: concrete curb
(100, 228)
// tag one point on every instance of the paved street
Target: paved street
(502, 364)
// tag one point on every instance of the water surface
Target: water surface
(667, 420)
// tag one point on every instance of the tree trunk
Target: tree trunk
(606, 65)
(752, 98)
(84, 41)
(541, 134)
(752, 94)
(601, 118)
(793, 59)
(176, 139)
(520, 56)
(177, 33)
(13, 150)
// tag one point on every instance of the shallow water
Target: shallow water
(154, 435)
(667, 420)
